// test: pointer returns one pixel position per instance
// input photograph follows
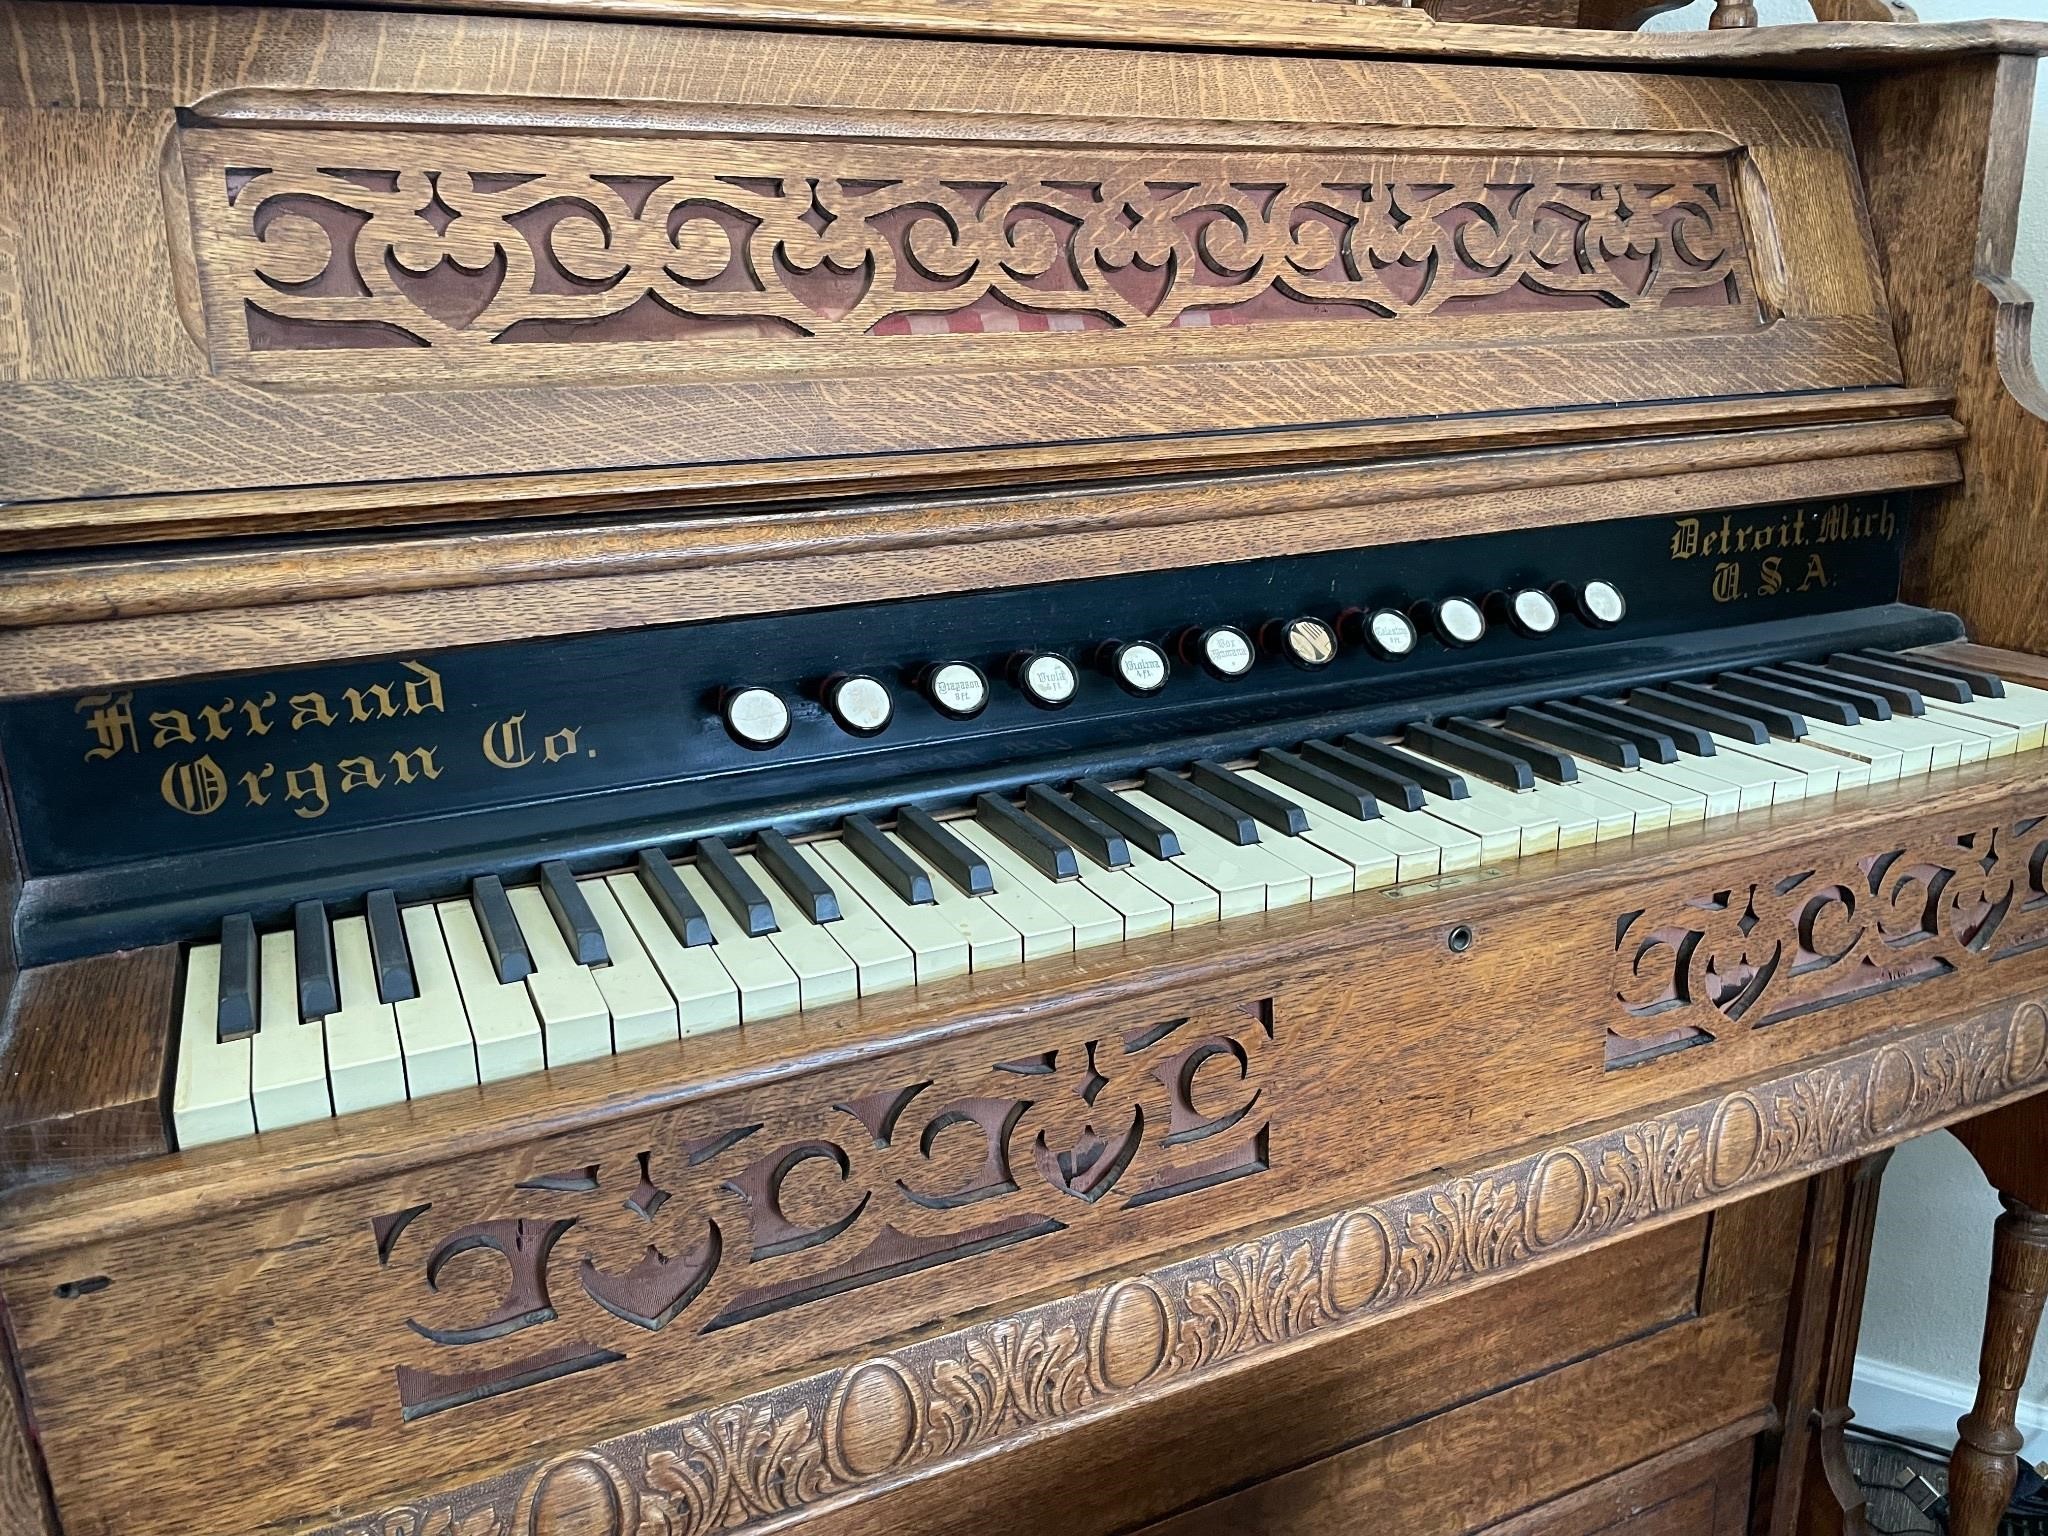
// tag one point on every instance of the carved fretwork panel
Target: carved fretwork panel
(490, 246)
(571, 1269)
(1765, 950)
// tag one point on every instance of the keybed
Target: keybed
(424, 998)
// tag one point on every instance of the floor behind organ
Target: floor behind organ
(1162, 767)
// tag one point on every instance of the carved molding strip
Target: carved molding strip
(831, 1434)
(315, 240)
(1769, 950)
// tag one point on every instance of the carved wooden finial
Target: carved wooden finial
(1732, 13)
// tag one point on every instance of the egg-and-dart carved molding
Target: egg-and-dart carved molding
(330, 242)
(829, 1435)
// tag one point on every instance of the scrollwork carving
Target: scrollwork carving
(320, 241)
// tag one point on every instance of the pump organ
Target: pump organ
(800, 766)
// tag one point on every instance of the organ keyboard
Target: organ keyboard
(786, 766)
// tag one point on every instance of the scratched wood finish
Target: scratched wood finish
(789, 1230)
(1757, 174)
(83, 1052)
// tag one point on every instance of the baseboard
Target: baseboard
(1914, 1404)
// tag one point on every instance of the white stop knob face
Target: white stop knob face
(862, 705)
(1050, 679)
(756, 717)
(1311, 643)
(1535, 613)
(1227, 652)
(1391, 632)
(1461, 620)
(1602, 602)
(1141, 667)
(958, 689)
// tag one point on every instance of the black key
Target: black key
(1984, 684)
(1777, 722)
(1148, 832)
(746, 901)
(672, 898)
(1548, 762)
(1087, 831)
(1649, 737)
(1388, 784)
(892, 866)
(1494, 767)
(572, 914)
(951, 857)
(235, 1017)
(1685, 736)
(510, 958)
(1275, 811)
(1586, 740)
(1433, 777)
(1868, 705)
(1201, 807)
(790, 870)
(1901, 696)
(1705, 717)
(1763, 690)
(1318, 784)
(319, 994)
(390, 955)
(1927, 683)
(1044, 852)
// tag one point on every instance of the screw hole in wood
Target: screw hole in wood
(71, 1290)
(1459, 939)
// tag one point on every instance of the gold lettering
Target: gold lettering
(359, 773)
(1685, 538)
(1816, 574)
(253, 708)
(309, 709)
(505, 742)
(216, 726)
(560, 744)
(1770, 578)
(1727, 581)
(379, 693)
(197, 788)
(111, 724)
(171, 725)
(309, 784)
(419, 762)
(424, 694)
(252, 784)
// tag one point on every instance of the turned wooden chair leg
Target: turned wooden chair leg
(1986, 1461)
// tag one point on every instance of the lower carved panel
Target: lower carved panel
(827, 1436)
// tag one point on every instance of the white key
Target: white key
(1653, 806)
(1457, 847)
(287, 1056)
(937, 946)
(1854, 743)
(1536, 829)
(1328, 875)
(642, 1009)
(991, 942)
(2024, 709)
(1193, 901)
(501, 1017)
(768, 987)
(1821, 772)
(1723, 797)
(1946, 731)
(2002, 738)
(1756, 783)
(1498, 828)
(1731, 757)
(1248, 879)
(1576, 803)
(705, 995)
(433, 1028)
(365, 1066)
(1084, 918)
(1141, 909)
(1926, 747)
(210, 1096)
(882, 962)
(1372, 863)
(573, 1017)
(823, 972)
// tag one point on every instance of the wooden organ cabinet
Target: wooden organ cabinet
(1002, 765)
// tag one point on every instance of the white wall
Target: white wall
(1924, 1314)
